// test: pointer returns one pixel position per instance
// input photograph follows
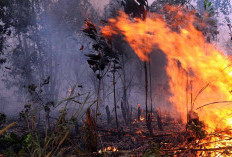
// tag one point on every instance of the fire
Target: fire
(140, 133)
(108, 149)
(142, 118)
(198, 72)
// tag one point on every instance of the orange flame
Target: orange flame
(108, 149)
(141, 118)
(190, 59)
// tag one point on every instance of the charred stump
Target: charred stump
(149, 126)
(91, 135)
(159, 121)
(124, 112)
(109, 118)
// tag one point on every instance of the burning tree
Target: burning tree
(183, 43)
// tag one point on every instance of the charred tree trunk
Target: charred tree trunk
(130, 115)
(159, 120)
(124, 104)
(98, 97)
(146, 89)
(91, 142)
(149, 127)
(103, 93)
(124, 113)
(108, 114)
(150, 85)
(139, 112)
(115, 103)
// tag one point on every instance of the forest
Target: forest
(115, 78)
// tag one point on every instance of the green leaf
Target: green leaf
(210, 3)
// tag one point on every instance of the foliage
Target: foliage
(103, 46)
(208, 7)
(223, 6)
(31, 143)
(37, 142)
(15, 145)
(210, 29)
(15, 16)
(103, 57)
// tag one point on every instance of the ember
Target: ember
(108, 149)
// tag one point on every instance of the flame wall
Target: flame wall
(192, 63)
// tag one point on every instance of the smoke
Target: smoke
(57, 50)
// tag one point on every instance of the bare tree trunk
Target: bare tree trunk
(96, 112)
(149, 127)
(98, 97)
(146, 89)
(124, 105)
(103, 93)
(108, 114)
(139, 112)
(150, 85)
(115, 103)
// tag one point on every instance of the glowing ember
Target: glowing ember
(140, 133)
(108, 149)
(142, 118)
